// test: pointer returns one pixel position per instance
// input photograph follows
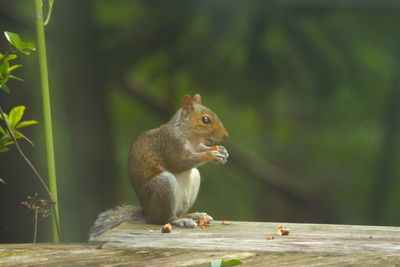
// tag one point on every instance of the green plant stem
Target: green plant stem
(47, 114)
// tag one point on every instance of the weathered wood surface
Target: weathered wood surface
(251, 236)
(144, 245)
(49, 255)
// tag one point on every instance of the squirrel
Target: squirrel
(163, 168)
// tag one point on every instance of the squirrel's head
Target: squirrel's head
(201, 121)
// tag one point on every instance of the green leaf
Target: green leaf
(2, 181)
(5, 149)
(8, 143)
(4, 66)
(6, 58)
(6, 116)
(5, 137)
(15, 78)
(4, 63)
(25, 123)
(4, 87)
(10, 69)
(2, 131)
(16, 115)
(10, 57)
(5, 69)
(219, 263)
(51, 2)
(232, 262)
(23, 47)
(4, 73)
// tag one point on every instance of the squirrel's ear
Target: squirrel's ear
(187, 106)
(197, 99)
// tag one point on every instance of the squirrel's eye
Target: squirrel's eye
(206, 120)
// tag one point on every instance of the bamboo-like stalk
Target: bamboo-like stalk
(47, 116)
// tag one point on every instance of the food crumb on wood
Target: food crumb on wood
(226, 222)
(167, 228)
(204, 221)
(280, 230)
(269, 237)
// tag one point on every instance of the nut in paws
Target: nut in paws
(221, 155)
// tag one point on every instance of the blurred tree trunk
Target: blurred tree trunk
(91, 182)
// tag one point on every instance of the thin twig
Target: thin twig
(36, 226)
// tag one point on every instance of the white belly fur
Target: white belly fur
(186, 190)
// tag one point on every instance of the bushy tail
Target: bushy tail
(113, 217)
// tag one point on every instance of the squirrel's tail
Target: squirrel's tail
(113, 217)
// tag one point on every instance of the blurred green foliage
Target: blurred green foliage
(307, 89)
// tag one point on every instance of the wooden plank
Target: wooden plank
(144, 245)
(49, 255)
(89, 255)
(251, 237)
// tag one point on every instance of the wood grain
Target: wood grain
(251, 237)
(144, 245)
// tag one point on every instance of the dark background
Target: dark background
(309, 91)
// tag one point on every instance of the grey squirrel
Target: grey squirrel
(162, 167)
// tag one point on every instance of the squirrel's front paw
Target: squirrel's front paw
(220, 154)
